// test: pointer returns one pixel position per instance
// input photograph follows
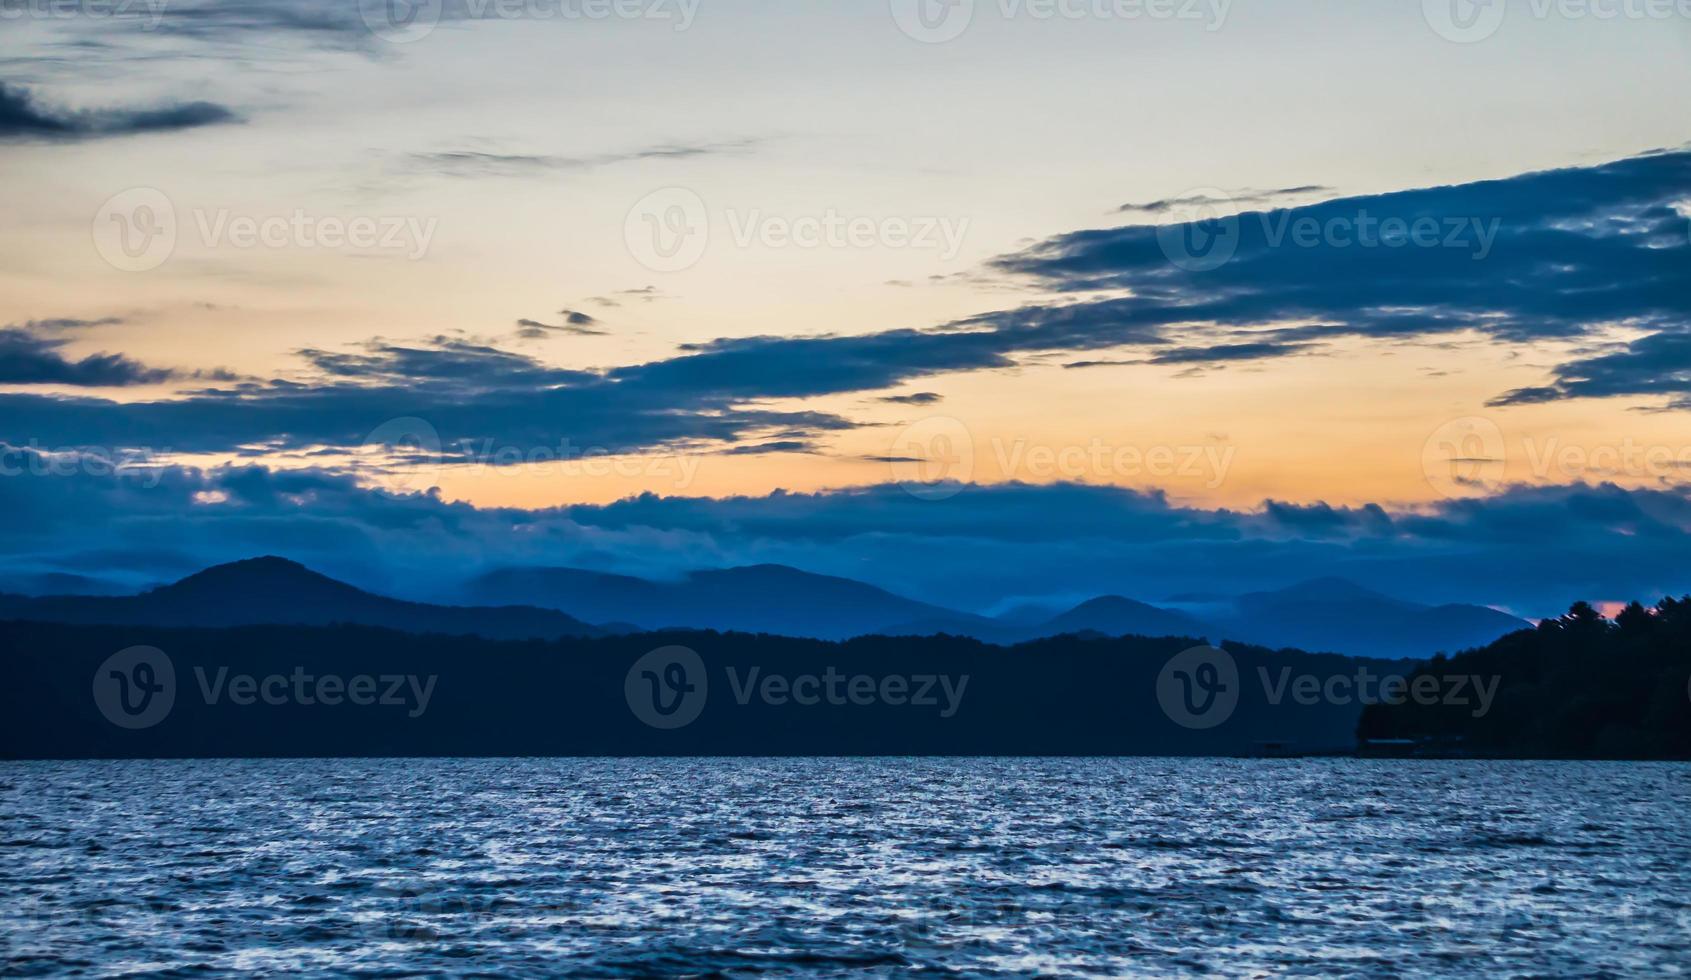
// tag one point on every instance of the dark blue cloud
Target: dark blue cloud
(1655, 366)
(478, 399)
(22, 117)
(1565, 253)
(1533, 550)
(575, 324)
(26, 358)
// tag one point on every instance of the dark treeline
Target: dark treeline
(1580, 686)
(1575, 687)
(1071, 695)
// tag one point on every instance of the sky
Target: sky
(981, 301)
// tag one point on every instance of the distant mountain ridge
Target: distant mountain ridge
(750, 599)
(1336, 614)
(278, 592)
(1331, 615)
(1321, 614)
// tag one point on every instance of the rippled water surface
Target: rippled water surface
(741, 867)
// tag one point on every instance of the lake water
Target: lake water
(740, 867)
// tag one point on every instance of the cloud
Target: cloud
(1655, 366)
(578, 324)
(478, 163)
(916, 398)
(1228, 352)
(766, 448)
(1235, 199)
(1572, 253)
(472, 393)
(68, 323)
(21, 117)
(29, 359)
(1557, 254)
(981, 546)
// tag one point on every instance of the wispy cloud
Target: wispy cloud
(22, 117)
(575, 324)
(481, 163)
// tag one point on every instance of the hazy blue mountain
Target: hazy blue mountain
(1322, 614)
(275, 591)
(60, 583)
(1117, 616)
(1339, 615)
(751, 599)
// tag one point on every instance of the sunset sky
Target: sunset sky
(956, 298)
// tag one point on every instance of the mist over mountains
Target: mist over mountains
(278, 592)
(1320, 615)
(1325, 615)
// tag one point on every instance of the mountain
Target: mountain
(751, 599)
(1336, 614)
(275, 591)
(60, 583)
(1321, 614)
(1114, 615)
